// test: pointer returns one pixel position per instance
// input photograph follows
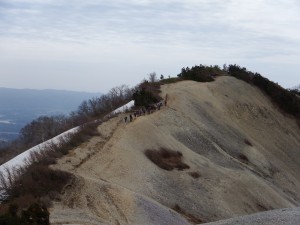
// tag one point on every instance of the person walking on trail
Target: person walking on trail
(158, 106)
(125, 119)
(166, 99)
(130, 116)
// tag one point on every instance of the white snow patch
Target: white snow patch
(6, 122)
(22, 159)
(124, 108)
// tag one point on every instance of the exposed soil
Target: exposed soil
(208, 123)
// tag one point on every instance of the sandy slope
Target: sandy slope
(274, 217)
(246, 152)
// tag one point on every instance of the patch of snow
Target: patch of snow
(124, 108)
(22, 159)
(6, 122)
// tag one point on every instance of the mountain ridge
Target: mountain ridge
(243, 149)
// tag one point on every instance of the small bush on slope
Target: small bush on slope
(166, 159)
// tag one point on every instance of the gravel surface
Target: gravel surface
(274, 217)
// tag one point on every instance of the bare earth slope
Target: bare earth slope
(274, 217)
(243, 154)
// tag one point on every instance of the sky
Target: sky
(94, 45)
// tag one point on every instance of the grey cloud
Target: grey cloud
(157, 31)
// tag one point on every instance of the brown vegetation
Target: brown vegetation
(195, 175)
(243, 158)
(37, 182)
(166, 159)
(191, 218)
(247, 142)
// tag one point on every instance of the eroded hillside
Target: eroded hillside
(242, 157)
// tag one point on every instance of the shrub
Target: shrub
(200, 73)
(243, 158)
(34, 215)
(285, 99)
(169, 80)
(146, 94)
(166, 159)
(240, 73)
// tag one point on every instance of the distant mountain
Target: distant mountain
(20, 106)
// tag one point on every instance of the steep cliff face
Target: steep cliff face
(241, 155)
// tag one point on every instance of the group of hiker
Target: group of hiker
(144, 111)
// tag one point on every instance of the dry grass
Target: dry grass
(166, 159)
(191, 218)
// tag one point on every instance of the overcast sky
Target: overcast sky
(93, 45)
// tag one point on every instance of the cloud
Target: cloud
(6, 122)
(163, 34)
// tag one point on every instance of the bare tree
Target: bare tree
(152, 77)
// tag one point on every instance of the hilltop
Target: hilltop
(217, 150)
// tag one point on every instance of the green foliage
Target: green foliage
(143, 98)
(295, 91)
(286, 100)
(170, 80)
(240, 73)
(146, 93)
(200, 73)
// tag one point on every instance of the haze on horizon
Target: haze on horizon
(94, 45)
